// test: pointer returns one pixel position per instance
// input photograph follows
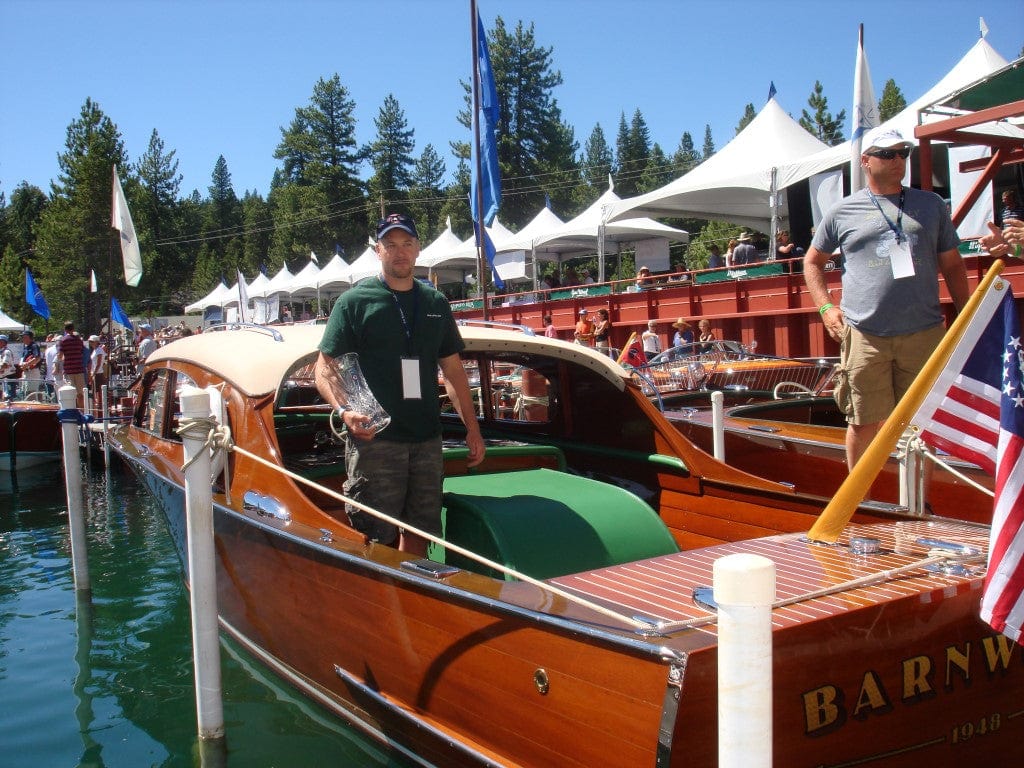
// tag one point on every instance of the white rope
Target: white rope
(570, 596)
(215, 436)
(952, 470)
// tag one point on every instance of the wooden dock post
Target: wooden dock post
(202, 569)
(744, 589)
(67, 397)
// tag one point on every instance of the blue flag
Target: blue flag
(486, 171)
(771, 91)
(119, 316)
(34, 296)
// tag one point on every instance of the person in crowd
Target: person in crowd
(603, 331)
(1012, 209)
(549, 327)
(584, 332)
(71, 354)
(715, 258)
(787, 251)
(1008, 241)
(403, 330)
(146, 344)
(683, 334)
(589, 277)
(53, 374)
(730, 253)
(9, 372)
(97, 370)
(286, 314)
(32, 363)
(895, 242)
(650, 340)
(569, 277)
(644, 280)
(745, 252)
(704, 334)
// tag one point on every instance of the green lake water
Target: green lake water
(108, 682)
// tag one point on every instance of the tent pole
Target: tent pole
(773, 202)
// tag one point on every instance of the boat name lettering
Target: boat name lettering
(827, 707)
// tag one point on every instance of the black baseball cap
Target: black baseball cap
(396, 221)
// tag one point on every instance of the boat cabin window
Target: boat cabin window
(509, 387)
(181, 380)
(152, 412)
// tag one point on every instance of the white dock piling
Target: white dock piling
(718, 424)
(105, 415)
(66, 396)
(744, 589)
(195, 403)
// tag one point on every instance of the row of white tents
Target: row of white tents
(746, 182)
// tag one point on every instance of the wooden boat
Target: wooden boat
(29, 434)
(730, 365)
(601, 651)
(801, 441)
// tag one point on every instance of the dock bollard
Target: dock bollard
(105, 414)
(718, 424)
(195, 404)
(66, 396)
(744, 589)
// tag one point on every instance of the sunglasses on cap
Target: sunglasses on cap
(889, 154)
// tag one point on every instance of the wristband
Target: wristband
(825, 308)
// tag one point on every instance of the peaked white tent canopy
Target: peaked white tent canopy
(303, 284)
(463, 255)
(724, 189)
(367, 265)
(335, 277)
(445, 243)
(258, 285)
(277, 284)
(214, 298)
(8, 323)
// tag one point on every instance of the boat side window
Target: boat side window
(152, 413)
(181, 380)
(521, 389)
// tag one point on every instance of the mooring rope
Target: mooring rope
(918, 445)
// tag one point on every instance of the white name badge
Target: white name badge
(900, 257)
(411, 378)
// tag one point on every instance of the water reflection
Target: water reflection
(109, 683)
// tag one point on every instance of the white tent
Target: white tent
(445, 243)
(8, 323)
(725, 189)
(367, 265)
(258, 285)
(463, 255)
(335, 277)
(214, 298)
(276, 284)
(735, 184)
(593, 230)
(303, 284)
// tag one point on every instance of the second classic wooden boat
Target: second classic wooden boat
(586, 639)
(29, 434)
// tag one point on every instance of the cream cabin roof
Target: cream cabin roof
(256, 360)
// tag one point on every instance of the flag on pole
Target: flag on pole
(34, 296)
(633, 353)
(119, 316)
(865, 112)
(485, 194)
(244, 316)
(975, 411)
(982, 27)
(93, 288)
(771, 90)
(121, 220)
(312, 257)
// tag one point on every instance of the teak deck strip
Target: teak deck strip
(662, 588)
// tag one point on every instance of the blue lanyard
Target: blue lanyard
(409, 327)
(897, 228)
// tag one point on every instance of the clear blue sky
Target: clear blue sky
(223, 76)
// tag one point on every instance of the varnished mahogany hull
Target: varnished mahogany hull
(32, 430)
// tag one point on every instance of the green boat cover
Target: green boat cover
(546, 523)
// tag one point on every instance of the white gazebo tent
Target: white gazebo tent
(592, 230)
(366, 265)
(510, 257)
(8, 323)
(214, 298)
(334, 279)
(462, 258)
(277, 284)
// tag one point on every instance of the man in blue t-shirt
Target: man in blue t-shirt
(895, 242)
(402, 331)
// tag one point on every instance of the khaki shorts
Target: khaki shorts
(875, 371)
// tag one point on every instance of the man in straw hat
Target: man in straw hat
(683, 334)
(895, 241)
(745, 252)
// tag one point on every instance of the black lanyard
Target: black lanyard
(409, 327)
(897, 228)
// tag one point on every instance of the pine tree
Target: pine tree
(709, 144)
(658, 171)
(74, 234)
(749, 113)
(319, 150)
(536, 148)
(426, 195)
(892, 101)
(390, 154)
(685, 158)
(821, 123)
(154, 217)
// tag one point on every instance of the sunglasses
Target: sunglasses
(889, 154)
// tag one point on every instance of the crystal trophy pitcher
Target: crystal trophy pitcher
(360, 397)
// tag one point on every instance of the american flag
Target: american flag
(975, 411)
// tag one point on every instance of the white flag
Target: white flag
(244, 316)
(312, 257)
(983, 26)
(121, 220)
(93, 288)
(865, 112)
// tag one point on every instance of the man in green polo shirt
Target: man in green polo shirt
(402, 331)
